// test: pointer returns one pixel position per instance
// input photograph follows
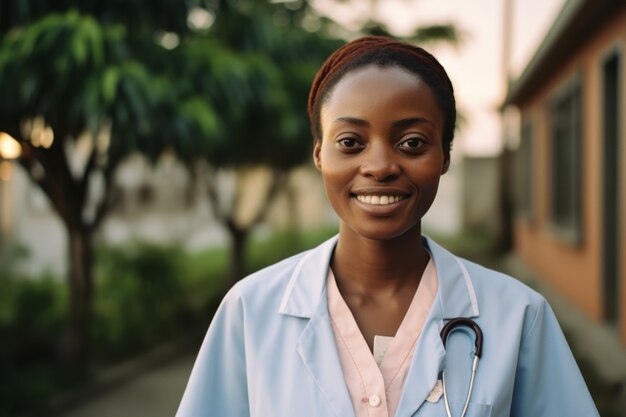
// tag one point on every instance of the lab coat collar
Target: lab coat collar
(305, 297)
(307, 283)
(456, 291)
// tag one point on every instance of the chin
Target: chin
(383, 232)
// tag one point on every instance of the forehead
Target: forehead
(373, 90)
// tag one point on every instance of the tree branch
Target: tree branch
(213, 195)
(105, 205)
(279, 178)
(89, 167)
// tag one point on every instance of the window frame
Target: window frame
(566, 125)
(525, 171)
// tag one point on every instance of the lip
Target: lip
(380, 191)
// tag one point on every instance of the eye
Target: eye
(349, 143)
(411, 144)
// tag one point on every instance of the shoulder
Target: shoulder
(500, 295)
(493, 282)
(487, 285)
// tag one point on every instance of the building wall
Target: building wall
(576, 270)
(480, 195)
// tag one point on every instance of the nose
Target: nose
(379, 164)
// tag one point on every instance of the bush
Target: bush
(138, 295)
(282, 244)
(32, 313)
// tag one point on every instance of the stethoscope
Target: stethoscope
(447, 329)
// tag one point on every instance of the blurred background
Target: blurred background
(154, 153)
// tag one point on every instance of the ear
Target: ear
(316, 155)
(446, 164)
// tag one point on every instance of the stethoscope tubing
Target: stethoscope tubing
(478, 342)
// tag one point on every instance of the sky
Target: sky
(475, 67)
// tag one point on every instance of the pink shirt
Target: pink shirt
(375, 389)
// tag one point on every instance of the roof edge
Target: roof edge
(567, 15)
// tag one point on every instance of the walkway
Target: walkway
(153, 394)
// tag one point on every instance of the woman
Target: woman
(352, 327)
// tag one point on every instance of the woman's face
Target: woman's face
(381, 153)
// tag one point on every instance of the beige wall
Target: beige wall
(576, 271)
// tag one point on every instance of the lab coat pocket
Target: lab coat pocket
(438, 409)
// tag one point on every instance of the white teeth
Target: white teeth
(379, 200)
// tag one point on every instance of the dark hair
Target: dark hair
(384, 52)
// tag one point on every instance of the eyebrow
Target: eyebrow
(398, 123)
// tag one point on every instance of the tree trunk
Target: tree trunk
(293, 224)
(239, 238)
(75, 347)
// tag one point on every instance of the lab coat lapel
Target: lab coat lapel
(305, 297)
(428, 360)
(455, 298)
(316, 347)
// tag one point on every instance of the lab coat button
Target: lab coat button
(374, 400)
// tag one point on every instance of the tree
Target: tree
(79, 102)
(370, 24)
(262, 106)
(81, 91)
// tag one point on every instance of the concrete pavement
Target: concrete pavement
(155, 393)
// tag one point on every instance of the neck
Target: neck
(367, 265)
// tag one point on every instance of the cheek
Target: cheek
(427, 168)
(334, 180)
(334, 170)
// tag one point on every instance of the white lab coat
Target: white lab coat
(270, 349)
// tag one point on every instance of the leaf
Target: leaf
(110, 82)
(442, 32)
(79, 49)
(199, 111)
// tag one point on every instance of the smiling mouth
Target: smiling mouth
(380, 200)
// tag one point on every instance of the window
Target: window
(611, 84)
(566, 161)
(525, 172)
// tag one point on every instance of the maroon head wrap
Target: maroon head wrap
(383, 51)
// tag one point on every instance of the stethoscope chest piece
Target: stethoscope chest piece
(445, 332)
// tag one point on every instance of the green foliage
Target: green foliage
(145, 294)
(279, 245)
(100, 71)
(77, 73)
(138, 294)
(165, 14)
(32, 312)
